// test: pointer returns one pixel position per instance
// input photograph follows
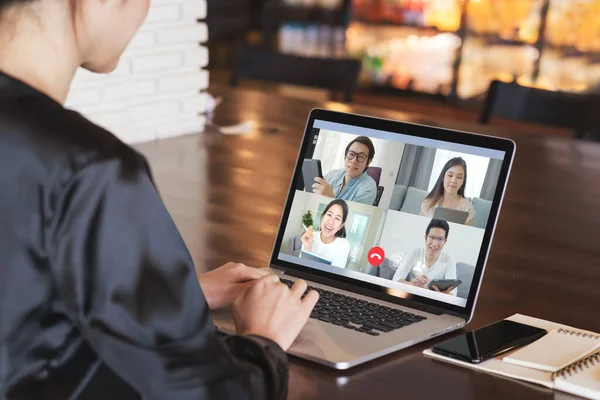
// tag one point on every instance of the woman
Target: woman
(330, 242)
(99, 295)
(449, 191)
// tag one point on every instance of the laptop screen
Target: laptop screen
(403, 212)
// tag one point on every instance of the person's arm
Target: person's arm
(323, 186)
(471, 211)
(127, 282)
(329, 177)
(307, 240)
(404, 268)
(407, 266)
(451, 273)
(424, 207)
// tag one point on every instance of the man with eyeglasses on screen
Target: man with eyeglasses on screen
(351, 183)
(424, 264)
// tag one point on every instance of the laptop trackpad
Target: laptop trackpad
(313, 338)
(316, 340)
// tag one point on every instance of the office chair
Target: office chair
(259, 63)
(378, 197)
(375, 173)
(575, 111)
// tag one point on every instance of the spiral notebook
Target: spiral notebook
(581, 376)
(556, 350)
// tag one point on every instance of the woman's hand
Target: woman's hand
(222, 286)
(322, 187)
(447, 291)
(307, 239)
(270, 309)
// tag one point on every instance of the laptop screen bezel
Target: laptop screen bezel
(419, 131)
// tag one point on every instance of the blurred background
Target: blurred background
(415, 55)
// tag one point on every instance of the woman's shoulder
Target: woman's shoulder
(74, 132)
(58, 137)
(342, 242)
(427, 207)
(46, 129)
(466, 204)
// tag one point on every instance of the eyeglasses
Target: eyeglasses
(360, 157)
(439, 239)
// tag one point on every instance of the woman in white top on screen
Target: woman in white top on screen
(449, 191)
(330, 242)
(429, 263)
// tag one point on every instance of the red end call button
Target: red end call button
(376, 256)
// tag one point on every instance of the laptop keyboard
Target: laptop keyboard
(356, 314)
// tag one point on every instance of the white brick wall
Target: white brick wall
(156, 90)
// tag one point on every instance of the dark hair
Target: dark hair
(6, 3)
(342, 232)
(438, 189)
(362, 140)
(438, 223)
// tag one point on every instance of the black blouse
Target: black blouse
(98, 293)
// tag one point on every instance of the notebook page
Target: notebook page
(554, 351)
(584, 381)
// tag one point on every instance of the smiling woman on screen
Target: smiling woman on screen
(449, 191)
(330, 241)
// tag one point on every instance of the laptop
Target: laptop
(451, 215)
(362, 313)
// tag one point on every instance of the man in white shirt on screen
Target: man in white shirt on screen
(425, 264)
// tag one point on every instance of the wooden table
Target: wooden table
(226, 194)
